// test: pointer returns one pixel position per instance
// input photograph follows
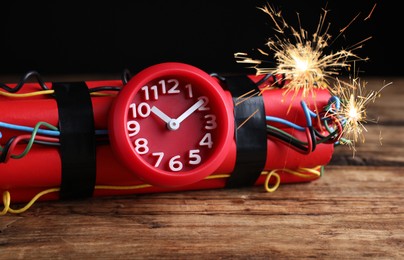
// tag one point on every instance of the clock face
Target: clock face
(175, 123)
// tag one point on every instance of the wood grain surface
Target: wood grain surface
(354, 211)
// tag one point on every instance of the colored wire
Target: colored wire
(336, 101)
(7, 201)
(290, 140)
(307, 113)
(216, 75)
(53, 132)
(313, 136)
(287, 139)
(277, 181)
(93, 92)
(307, 173)
(31, 139)
(262, 81)
(285, 122)
(126, 76)
(30, 94)
(279, 83)
(300, 172)
(5, 150)
(104, 88)
(23, 81)
(311, 141)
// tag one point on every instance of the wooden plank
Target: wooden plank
(383, 146)
(387, 109)
(351, 212)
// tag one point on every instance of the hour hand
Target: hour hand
(160, 114)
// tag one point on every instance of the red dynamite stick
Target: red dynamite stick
(40, 168)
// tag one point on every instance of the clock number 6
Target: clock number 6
(174, 164)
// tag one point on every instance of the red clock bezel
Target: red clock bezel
(121, 143)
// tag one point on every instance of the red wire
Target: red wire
(27, 137)
(338, 124)
(309, 141)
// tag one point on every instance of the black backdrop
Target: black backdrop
(62, 37)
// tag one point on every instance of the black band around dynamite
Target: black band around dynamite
(250, 132)
(77, 140)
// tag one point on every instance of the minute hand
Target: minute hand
(189, 111)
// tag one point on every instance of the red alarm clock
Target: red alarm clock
(172, 124)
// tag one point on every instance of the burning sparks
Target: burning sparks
(308, 65)
(354, 101)
(302, 59)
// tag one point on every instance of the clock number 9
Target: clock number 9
(133, 127)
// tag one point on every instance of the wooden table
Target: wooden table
(354, 211)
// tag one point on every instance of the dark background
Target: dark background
(67, 38)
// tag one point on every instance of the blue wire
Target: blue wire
(337, 102)
(307, 113)
(41, 131)
(285, 122)
(29, 129)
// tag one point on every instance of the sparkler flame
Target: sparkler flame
(308, 66)
(302, 59)
(354, 101)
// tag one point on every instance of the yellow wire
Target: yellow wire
(276, 185)
(7, 196)
(302, 172)
(133, 187)
(103, 94)
(30, 94)
(298, 172)
(217, 176)
(7, 201)
(44, 92)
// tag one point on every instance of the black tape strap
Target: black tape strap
(77, 140)
(250, 132)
